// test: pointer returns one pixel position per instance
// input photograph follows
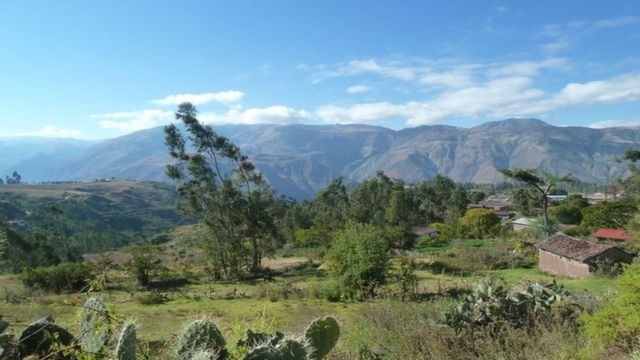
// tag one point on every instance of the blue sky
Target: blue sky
(99, 69)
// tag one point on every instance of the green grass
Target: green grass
(236, 306)
(598, 286)
(439, 248)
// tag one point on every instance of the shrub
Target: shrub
(70, 277)
(359, 259)
(498, 256)
(616, 326)
(480, 223)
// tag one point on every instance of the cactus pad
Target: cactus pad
(127, 342)
(94, 325)
(322, 335)
(201, 335)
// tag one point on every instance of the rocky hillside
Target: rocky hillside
(298, 160)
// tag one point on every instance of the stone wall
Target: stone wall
(562, 266)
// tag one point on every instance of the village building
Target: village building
(522, 223)
(574, 258)
(617, 235)
(497, 203)
(425, 231)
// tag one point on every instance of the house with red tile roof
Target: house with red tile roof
(611, 235)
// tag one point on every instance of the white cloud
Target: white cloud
(451, 79)
(561, 36)
(392, 69)
(134, 120)
(527, 68)
(616, 22)
(225, 97)
(614, 123)
(52, 131)
(488, 98)
(269, 115)
(619, 88)
(362, 113)
(358, 89)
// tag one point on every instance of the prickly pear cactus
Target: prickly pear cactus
(127, 343)
(204, 355)
(94, 325)
(287, 349)
(38, 338)
(201, 335)
(252, 339)
(322, 335)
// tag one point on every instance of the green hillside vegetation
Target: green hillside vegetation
(66, 220)
(242, 258)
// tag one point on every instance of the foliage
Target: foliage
(526, 201)
(322, 335)
(631, 183)
(42, 337)
(566, 214)
(89, 217)
(69, 277)
(330, 206)
(94, 326)
(15, 178)
(145, 263)
(222, 187)
(543, 183)
(489, 257)
(127, 342)
(477, 196)
(616, 326)
(201, 335)
(359, 259)
(394, 330)
(406, 279)
(480, 223)
(201, 339)
(609, 214)
(489, 303)
(440, 198)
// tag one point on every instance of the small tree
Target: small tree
(543, 184)
(222, 187)
(609, 214)
(616, 325)
(479, 223)
(359, 259)
(145, 263)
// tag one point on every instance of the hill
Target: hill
(93, 216)
(298, 160)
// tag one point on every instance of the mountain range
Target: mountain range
(298, 160)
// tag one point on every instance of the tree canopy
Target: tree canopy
(543, 183)
(224, 189)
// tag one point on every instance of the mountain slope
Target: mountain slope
(298, 160)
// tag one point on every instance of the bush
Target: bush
(153, 297)
(330, 290)
(400, 330)
(69, 277)
(359, 259)
(480, 223)
(615, 327)
(498, 256)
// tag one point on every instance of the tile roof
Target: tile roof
(613, 234)
(573, 248)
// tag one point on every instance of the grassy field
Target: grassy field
(286, 304)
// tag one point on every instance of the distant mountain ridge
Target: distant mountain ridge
(298, 160)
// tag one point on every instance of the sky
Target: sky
(105, 68)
